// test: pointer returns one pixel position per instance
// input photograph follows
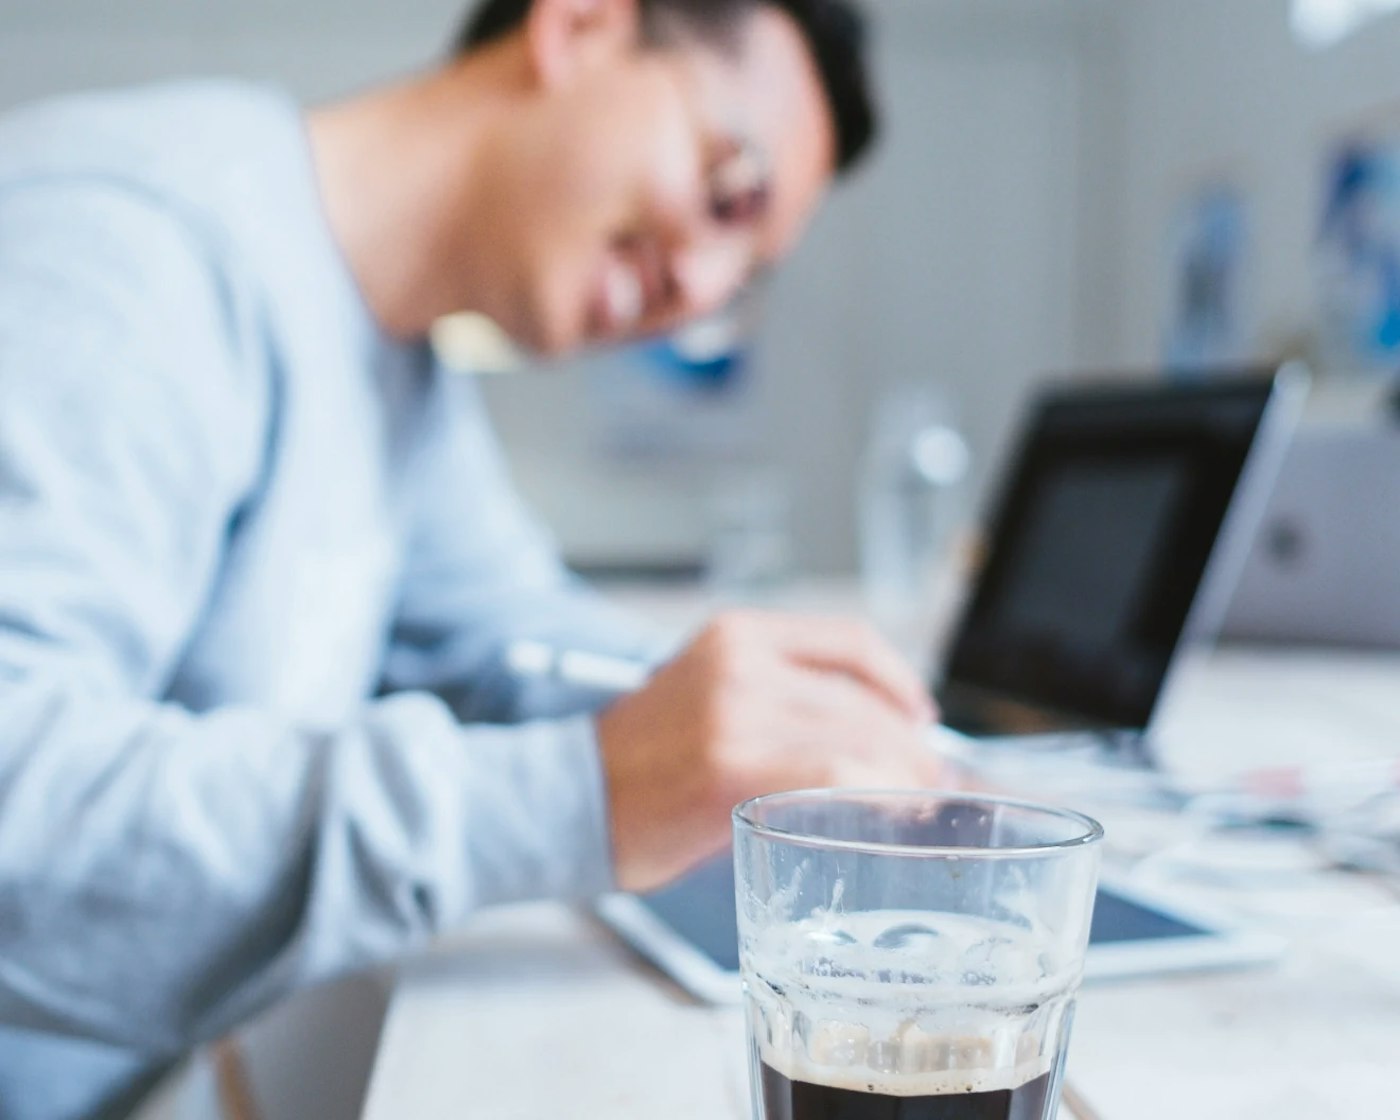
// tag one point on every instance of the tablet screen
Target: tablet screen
(701, 909)
(1119, 919)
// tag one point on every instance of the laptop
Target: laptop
(1121, 530)
(1122, 522)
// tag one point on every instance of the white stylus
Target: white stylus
(601, 671)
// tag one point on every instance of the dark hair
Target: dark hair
(835, 32)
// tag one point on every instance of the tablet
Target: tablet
(689, 931)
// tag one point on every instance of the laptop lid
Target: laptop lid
(1325, 564)
(1117, 536)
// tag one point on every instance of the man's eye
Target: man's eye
(736, 209)
(739, 187)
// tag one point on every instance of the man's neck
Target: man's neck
(396, 173)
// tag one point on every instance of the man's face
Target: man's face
(646, 187)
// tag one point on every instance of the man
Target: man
(260, 568)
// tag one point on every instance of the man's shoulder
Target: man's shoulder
(185, 139)
(116, 239)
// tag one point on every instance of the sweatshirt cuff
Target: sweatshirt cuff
(541, 829)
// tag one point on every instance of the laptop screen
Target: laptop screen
(1101, 538)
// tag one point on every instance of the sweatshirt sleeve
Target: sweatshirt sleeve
(164, 873)
(483, 578)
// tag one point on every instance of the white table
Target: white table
(538, 1013)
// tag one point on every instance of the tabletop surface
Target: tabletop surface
(539, 1012)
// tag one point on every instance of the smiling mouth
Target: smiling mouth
(622, 297)
(630, 289)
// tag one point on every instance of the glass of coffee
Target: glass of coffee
(910, 956)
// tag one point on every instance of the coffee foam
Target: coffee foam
(915, 1065)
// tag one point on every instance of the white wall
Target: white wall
(1218, 88)
(314, 47)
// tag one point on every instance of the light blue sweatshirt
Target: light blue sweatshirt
(258, 568)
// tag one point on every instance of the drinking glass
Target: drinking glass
(910, 955)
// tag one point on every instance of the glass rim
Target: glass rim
(742, 816)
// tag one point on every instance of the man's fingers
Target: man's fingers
(849, 709)
(915, 773)
(833, 719)
(841, 645)
(853, 647)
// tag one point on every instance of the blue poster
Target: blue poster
(1205, 316)
(1358, 258)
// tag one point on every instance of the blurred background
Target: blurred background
(1063, 185)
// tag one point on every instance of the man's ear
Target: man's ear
(567, 37)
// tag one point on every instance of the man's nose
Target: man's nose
(709, 275)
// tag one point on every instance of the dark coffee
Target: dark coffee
(784, 1099)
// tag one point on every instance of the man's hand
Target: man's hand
(758, 703)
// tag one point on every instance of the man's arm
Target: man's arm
(483, 577)
(162, 873)
(162, 876)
